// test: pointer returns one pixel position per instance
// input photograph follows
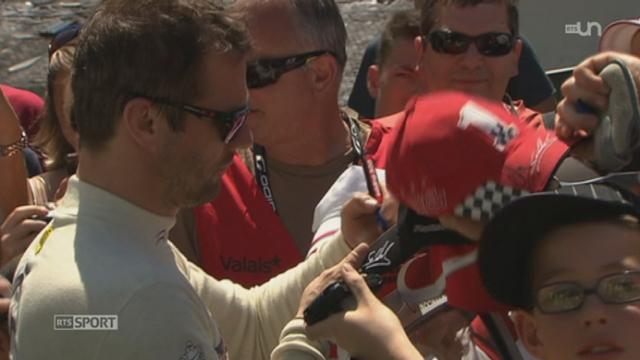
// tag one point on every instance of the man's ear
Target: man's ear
(373, 80)
(518, 50)
(141, 121)
(325, 72)
(528, 333)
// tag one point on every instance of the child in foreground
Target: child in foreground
(569, 262)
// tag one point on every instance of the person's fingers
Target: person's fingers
(315, 288)
(4, 305)
(16, 248)
(359, 222)
(563, 129)
(564, 133)
(588, 86)
(575, 90)
(572, 125)
(325, 329)
(16, 237)
(322, 329)
(5, 294)
(389, 208)
(356, 256)
(16, 243)
(25, 228)
(356, 283)
(600, 61)
(20, 213)
(588, 77)
(329, 276)
(360, 204)
(353, 259)
(5, 287)
(385, 191)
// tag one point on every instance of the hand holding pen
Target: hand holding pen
(374, 188)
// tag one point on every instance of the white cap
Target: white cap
(618, 35)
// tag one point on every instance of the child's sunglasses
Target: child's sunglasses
(489, 44)
(562, 297)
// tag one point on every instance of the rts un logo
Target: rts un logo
(577, 29)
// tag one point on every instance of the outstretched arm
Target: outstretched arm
(370, 331)
(588, 86)
(250, 320)
(13, 171)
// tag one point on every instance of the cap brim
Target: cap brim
(417, 231)
(618, 35)
(512, 234)
(412, 233)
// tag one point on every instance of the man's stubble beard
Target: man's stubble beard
(181, 194)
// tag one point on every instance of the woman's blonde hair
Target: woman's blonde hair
(50, 139)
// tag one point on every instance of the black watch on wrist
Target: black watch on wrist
(13, 148)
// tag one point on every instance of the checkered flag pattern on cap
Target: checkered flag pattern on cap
(486, 200)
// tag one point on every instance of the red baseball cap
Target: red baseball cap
(27, 105)
(458, 154)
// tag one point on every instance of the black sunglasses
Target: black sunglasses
(230, 121)
(263, 72)
(489, 44)
(63, 38)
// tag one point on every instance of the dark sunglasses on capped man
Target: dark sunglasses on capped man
(488, 44)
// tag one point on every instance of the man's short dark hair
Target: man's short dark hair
(149, 47)
(402, 25)
(431, 10)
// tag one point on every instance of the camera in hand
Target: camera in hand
(332, 298)
(394, 247)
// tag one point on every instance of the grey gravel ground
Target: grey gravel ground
(19, 39)
(20, 23)
(364, 19)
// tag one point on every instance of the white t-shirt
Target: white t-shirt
(326, 217)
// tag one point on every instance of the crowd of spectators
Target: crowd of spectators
(191, 174)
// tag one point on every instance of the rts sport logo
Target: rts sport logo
(85, 322)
